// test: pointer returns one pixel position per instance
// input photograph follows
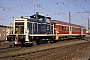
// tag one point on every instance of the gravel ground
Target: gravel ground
(35, 48)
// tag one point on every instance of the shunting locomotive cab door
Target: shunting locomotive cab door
(34, 28)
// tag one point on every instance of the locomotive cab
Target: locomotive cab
(40, 24)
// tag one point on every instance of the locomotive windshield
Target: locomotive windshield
(20, 25)
(40, 19)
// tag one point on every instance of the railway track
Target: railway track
(5, 49)
(7, 46)
(43, 51)
(59, 53)
(4, 44)
(71, 52)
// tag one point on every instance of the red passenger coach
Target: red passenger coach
(63, 29)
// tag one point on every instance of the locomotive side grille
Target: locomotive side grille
(20, 25)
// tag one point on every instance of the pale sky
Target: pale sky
(57, 9)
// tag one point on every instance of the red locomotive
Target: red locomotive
(39, 28)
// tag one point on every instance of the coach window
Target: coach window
(84, 30)
(62, 28)
(72, 28)
(76, 30)
(79, 30)
(67, 28)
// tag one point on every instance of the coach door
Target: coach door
(70, 30)
(81, 30)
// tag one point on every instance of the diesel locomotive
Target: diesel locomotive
(39, 28)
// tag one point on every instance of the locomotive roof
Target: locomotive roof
(65, 23)
(39, 15)
(33, 16)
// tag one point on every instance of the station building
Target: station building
(3, 32)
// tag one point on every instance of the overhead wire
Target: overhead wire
(4, 9)
(79, 5)
(86, 4)
(49, 9)
(46, 8)
(12, 9)
(15, 10)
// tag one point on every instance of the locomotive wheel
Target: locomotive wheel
(38, 42)
(34, 43)
(9, 38)
(22, 42)
(52, 40)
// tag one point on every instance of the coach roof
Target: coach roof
(65, 23)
